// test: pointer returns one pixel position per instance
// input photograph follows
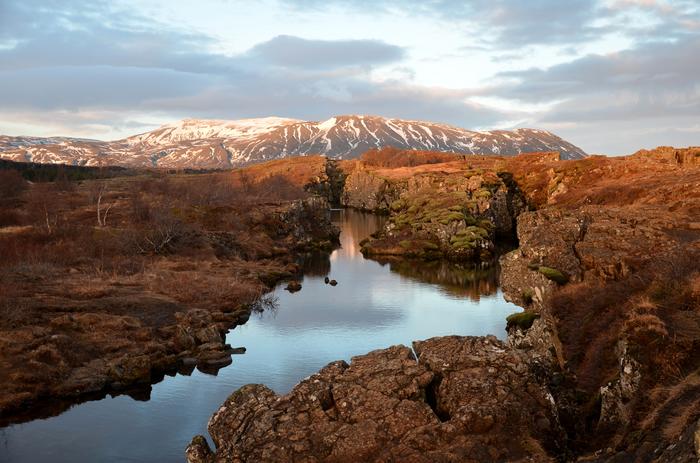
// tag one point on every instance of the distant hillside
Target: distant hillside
(216, 144)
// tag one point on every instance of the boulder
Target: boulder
(463, 399)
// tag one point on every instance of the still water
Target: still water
(374, 305)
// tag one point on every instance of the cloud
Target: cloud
(296, 52)
(100, 69)
(498, 22)
(517, 24)
(651, 80)
(619, 102)
(84, 64)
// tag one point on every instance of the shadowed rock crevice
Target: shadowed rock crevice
(465, 396)
(431, 398)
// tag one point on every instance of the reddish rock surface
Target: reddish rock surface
(465, 399)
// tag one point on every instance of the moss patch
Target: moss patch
(522, 320)
(553, 274)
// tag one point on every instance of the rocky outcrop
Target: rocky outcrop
(464, 399)
(328, 184)
(453, 214)
(592, 243)
(685, 157)
(368, 191)
(307, 222)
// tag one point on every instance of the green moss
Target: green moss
(429, 245)
(483, 194)
(527, 296)
(522, 320)
(446, 218)
(405, 244)
(398, 205)
(486, 224)
(554, 275)
(463, 244)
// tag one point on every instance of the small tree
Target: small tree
(98, 191)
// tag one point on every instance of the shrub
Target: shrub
(553, 274)
(11, 184)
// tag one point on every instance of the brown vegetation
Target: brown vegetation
(140, 269)
(395, 157)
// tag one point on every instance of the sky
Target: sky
(611, 76)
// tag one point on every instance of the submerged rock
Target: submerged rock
(293, 286)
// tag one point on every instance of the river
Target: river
(373, 306)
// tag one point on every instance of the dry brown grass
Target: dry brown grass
(394, 157)
(204, 289)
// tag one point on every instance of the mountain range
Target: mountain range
(220, 144)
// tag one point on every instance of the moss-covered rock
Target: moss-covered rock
(553, 274)
(522, 320)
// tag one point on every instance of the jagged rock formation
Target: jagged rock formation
(438, 210)
(465, 399)
(202, 144)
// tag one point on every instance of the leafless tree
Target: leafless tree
(98, 193)
(44, 206)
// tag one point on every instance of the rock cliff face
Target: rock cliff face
(464, 399)
(453, 212)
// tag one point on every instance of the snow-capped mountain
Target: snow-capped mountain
(194, 143)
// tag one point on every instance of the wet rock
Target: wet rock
(293, 286)
(333, 283)
(198, 451)
(188, 361)
(208, 334)
(465, 399)
(131, 370)
(326, 280)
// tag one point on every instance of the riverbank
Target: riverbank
(176, 262)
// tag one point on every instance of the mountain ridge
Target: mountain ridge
(212, 143)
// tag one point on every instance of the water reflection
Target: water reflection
(460, 280)
(374, 305)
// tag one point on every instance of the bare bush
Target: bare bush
(139, 208)
(160, 236)
(45, 208)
